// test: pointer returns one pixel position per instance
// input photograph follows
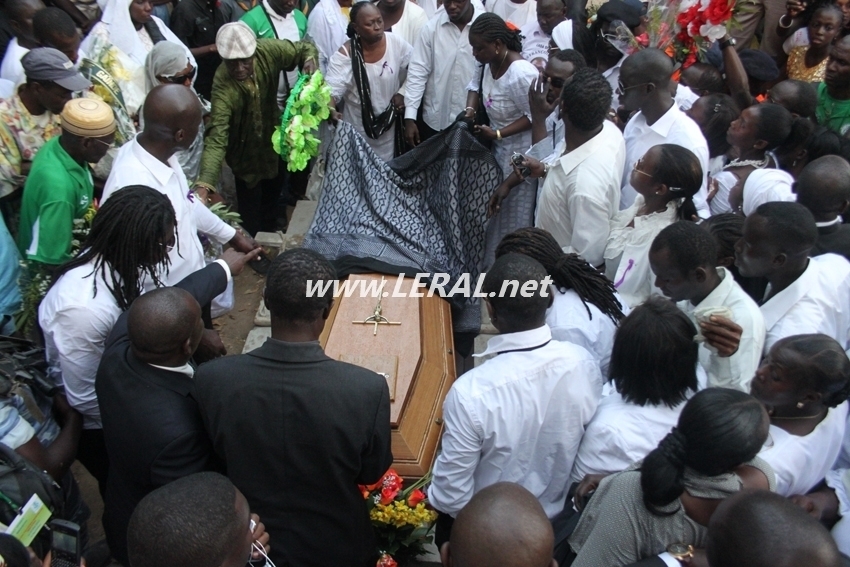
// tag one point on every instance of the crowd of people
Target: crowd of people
(679, 395)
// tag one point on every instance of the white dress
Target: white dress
(386, 78)
(506, 100)
(627, 252)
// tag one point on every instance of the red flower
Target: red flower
(386, 560)
(388, 495)
(643, 39)
(392, 480)
(718, 11)
(415, 498)
(512, 27)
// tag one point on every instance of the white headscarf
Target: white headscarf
(562, 35)
(165, 59)
(766, 185)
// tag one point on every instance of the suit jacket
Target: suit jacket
(298, 431)
(151, 422)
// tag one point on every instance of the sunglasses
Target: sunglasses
(621, 89)
(638, 164)
(180, 79)
(556, 82)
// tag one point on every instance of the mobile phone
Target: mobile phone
(517, 160)
(65, 547)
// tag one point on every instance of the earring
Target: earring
(800, 405)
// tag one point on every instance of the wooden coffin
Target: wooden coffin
(416, 356)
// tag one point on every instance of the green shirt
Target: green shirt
(832, 113)
(258, 20)
(245, 113)
(58, 190)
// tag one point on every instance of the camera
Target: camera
(517, 160)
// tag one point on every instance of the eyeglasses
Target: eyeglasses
(555, 82)
(635, 168)
(622, 89)
(109, 145)
(180, 79)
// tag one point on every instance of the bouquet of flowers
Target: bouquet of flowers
(701, 23)
(308, 104)
(402, 522)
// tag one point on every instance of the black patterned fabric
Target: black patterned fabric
(425, 211)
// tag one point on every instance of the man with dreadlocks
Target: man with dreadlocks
(130, 239)
(586, 308)
(520, 416)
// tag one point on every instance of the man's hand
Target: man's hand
(411, 133)
(62, 410)
(794, 8)
(537, 93)
(535, 167)
(261, 536)
(588, 485)
(210, 347)
(243, 242)
(309, 67)
(236, 260)
(500, 194)
(723, 334)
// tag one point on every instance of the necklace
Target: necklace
(796, 418)
(758, 164)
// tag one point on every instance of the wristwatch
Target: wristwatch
(724, 43)
(680, 551)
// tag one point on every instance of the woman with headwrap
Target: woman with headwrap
(168, 63)
(369, 73)
(130, 26)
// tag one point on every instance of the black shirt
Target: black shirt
(196, 22)
(835, 239)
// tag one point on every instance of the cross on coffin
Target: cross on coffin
(377, 317)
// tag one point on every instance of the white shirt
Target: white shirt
(535, 42)
(135, 166)
(431, 8)
(409, 26)
(620, 434)
(440, 68)
(734, 371)
(326, 26)
(800, 463)
(627, 251)
(674, 127)
(816, 302)
(581, 194)
(519, 417)
(11, 68)
(76, 321)
(612, 75)
(284, 28)
(765, 186)
(569, 321)
(518, 14)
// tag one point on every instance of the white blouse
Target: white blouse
(627, 252)
(386, 78)
(800, 463)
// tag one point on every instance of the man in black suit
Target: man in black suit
(151, 423)
(823, 187)
(297, 430)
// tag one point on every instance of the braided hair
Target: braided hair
(127, 242)
(568, 271)
(719, 429)
(492, 28)
(352, 17)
